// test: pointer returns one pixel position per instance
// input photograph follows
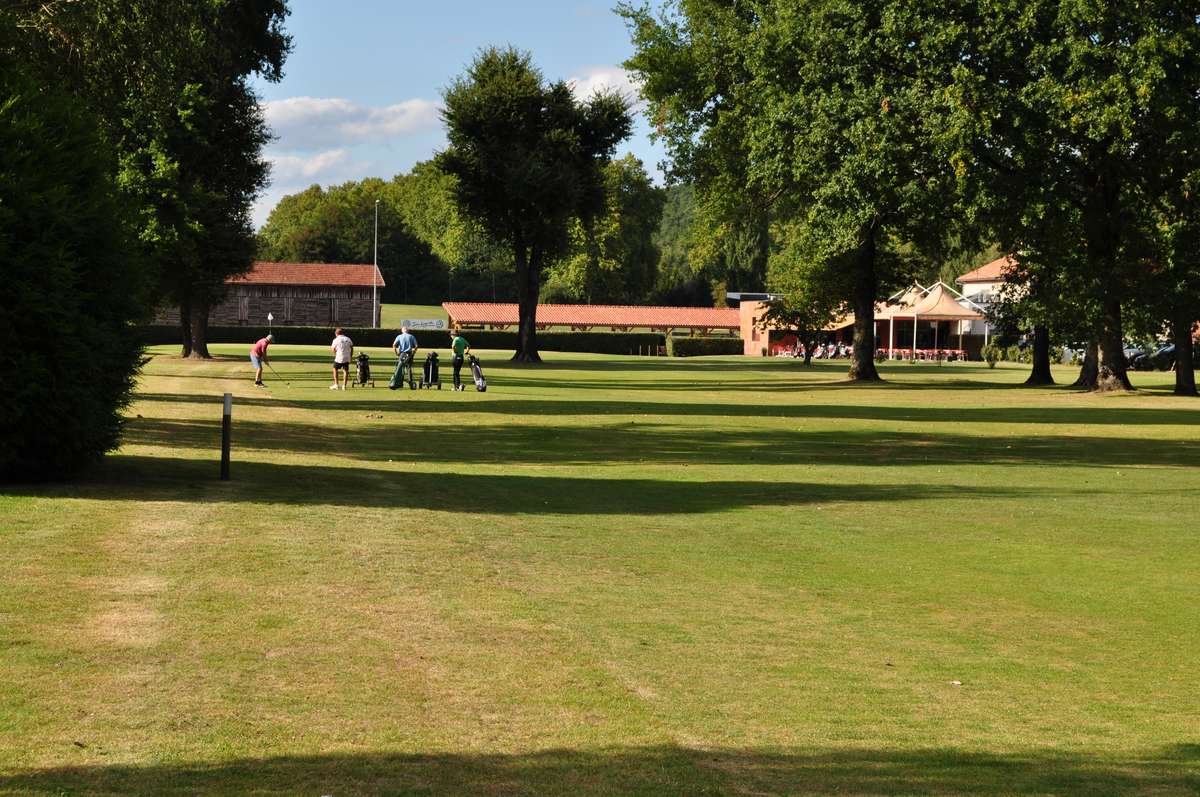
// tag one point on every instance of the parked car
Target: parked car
(1164, 358)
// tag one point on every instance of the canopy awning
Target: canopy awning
(939, 305)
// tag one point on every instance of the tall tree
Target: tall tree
(823, 113)
(614, 260)
(168, 80)
(476, 266)
(1067, 106)
(527, 158)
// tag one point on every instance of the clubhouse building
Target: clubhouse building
(931, 322)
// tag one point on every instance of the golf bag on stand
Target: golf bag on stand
(403, 364)
(362, 371)
(429, 373)
(477, 374)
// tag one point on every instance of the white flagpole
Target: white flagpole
(374, 271)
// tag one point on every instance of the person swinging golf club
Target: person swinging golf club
(405, 348)
(258, 357)
(460, 347)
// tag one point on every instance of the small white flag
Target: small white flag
(270, 317)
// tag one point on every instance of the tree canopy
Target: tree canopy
(168, 83)
(821, 116)
(527, 158)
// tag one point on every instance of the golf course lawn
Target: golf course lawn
(612, 575)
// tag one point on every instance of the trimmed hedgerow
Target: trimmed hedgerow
(72, 287)
(701, 347)
(582, 342)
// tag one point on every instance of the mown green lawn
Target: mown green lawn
(612, 576)
(390, 315)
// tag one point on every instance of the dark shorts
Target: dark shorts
(342, 367)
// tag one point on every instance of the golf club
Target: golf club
(281, 379)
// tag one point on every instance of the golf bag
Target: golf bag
(477, 374)
(429, 373)
(362, 371)
(403, 364)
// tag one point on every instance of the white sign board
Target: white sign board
(424, 323)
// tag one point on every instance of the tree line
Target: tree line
(873, 137)
(645, 247)
(130, 153)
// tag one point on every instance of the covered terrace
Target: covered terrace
(598, 317)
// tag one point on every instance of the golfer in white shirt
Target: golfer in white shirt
(343, 350)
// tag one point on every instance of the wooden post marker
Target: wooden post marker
(226, 428)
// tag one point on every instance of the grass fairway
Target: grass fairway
(613, 576)
(390, 315)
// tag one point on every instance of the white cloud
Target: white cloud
(297, 168)
(605, 78)
(292, 172)
(307, 123)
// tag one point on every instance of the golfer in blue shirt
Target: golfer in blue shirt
(405, 346)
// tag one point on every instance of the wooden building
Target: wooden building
(298, 294)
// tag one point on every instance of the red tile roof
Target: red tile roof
(596, 315)
(992, 272)
(345, 274)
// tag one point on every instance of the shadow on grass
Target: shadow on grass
(138, 478)
(644, 441)
(416, 403)
(659, 770)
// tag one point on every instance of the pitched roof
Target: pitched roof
(596, 315)
(939, 305)
(342, 274)
(991, 272)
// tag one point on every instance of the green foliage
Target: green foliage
(991, 354)
(167, 81)
(821, 117)
(337, 225)
(702, 347)
(73, 281)
(614, 259)
(1076, 119)
(527, 159)
(587, 342)
(678, 282)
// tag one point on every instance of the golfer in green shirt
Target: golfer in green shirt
(460, 347)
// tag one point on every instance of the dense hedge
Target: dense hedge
(993, 354)
(71, 287)
(592, 342)
(700, 347)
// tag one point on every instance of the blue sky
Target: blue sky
(361, 91)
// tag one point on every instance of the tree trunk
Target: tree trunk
(527, 299)
(808, 350)
(866, 285)
(185, 328)
(1089, 372)
(1040, 375)
(1185, 369)
(200, 330)
(1102, 222)
(1113, 368)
